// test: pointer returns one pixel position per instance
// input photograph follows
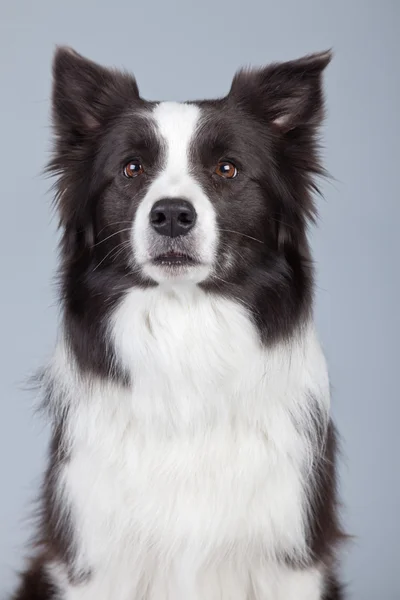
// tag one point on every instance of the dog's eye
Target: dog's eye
(226, 169)
(133, 168)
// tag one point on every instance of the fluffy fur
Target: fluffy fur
(193, 455)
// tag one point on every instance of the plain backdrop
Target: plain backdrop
(187, 50)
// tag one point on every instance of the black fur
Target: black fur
(35, 585)
(334, 590)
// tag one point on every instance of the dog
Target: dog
(193, 456)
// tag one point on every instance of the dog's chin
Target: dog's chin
(176, 268)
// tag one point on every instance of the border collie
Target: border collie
(192, 453)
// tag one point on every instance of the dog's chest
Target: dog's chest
(223, 488)
(200, 459)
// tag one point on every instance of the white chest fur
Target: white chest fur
(196, 477)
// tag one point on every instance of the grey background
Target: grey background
(182, 50)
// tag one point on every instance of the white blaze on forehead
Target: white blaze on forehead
(176, 125)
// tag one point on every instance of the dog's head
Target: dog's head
(215, 194)
(200, 191)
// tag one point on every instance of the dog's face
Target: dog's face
(201, 192)
(214, 195)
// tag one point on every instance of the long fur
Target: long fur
(193, 455)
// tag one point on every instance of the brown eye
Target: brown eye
(133, 168)
(226, 169)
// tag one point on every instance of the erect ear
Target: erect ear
(84, 93)
(287, 94)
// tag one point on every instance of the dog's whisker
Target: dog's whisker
(112, 224)
(109, 253)
(241, 234)
(280, 222)
(110, 236)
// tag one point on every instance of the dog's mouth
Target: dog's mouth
(175, 259)
(176, 265)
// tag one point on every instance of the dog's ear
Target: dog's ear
(86, 98)
(85, 93)
(288, 95)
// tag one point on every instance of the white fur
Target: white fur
(191, 483)
(176, 124)
(229, 582)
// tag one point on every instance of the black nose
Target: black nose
(172, 217)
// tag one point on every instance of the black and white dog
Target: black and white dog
(192, 455)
